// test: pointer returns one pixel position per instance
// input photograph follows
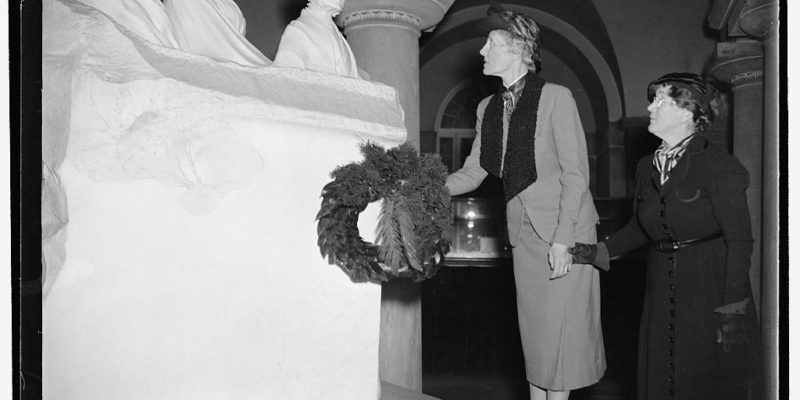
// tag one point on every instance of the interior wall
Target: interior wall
(458, 63)
(650, 38)
(655, 37)
(266, 21)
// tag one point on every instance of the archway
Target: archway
(585, 64)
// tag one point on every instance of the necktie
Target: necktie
(508, 102)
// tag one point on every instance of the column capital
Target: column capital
(745, 18)
(759, 18)
(740, 63)
(747, 77)
(365, 18)
(413, 14)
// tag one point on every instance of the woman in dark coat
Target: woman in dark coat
(698, 333)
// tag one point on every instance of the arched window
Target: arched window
(455, 123)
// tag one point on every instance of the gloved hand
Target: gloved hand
(595, 254)
(731, 330)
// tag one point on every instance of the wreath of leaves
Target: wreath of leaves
(415, 225)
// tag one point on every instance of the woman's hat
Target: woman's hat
(702, 92)
(518, 25)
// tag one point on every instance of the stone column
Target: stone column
(384, 36)
(759, 19)
(770, 227)
(741, 64)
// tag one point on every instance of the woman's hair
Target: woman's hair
(525, 36)
(691, 92)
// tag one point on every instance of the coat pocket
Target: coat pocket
(688, 195)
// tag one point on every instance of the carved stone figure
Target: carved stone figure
(313, 41)
(213, 28)
(145, 18)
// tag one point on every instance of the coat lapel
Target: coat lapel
(655, 177)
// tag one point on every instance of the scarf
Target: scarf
(666, 158)
(519, 164)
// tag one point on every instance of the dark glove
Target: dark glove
(731, 330)
(595, 254)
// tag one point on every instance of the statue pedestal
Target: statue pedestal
(187, 265)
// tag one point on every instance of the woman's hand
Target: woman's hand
(594, 254)
(560, 260)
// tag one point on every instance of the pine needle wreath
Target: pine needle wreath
(415, 224)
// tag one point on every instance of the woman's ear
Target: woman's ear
(686, 116)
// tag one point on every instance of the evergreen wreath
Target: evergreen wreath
(415, 224)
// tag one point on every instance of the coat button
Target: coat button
(672, 287)
(671, 379)
(665, 226)
(671, 313)
(671, 274)
(672, 339)
(661, 213)
(663, 200)
(671, 327)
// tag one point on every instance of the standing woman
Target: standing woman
(529, 134)
(698, 333)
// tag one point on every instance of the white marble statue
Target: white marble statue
(145, 18)
(211, 28)
(313, 41)
(178, 231)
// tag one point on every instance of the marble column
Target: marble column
(384, 36)
(770, 274)
(741, 64)
(759, 19)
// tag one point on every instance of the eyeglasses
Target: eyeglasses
(659, 101)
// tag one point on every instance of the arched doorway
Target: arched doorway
(577, 54)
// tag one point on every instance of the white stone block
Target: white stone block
(190, 264)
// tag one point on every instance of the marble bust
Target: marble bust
(313, 42)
